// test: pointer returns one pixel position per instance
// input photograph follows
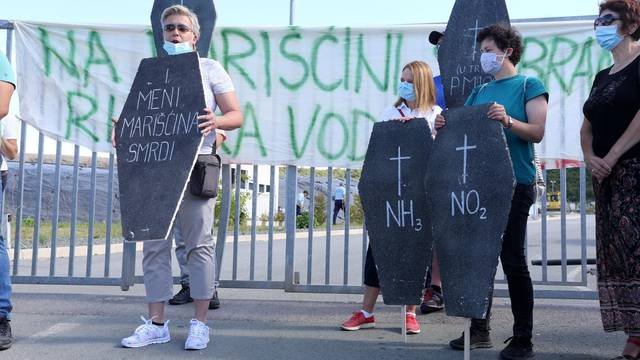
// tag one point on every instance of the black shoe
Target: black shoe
(431, 301)
(214, 303)
(479, 340)
(519, 348)
(182, 297)
(6, 339)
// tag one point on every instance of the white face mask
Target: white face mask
(179, 48)
(490, 64)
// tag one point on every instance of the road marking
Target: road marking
(55, 329)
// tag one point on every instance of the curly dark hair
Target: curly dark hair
(505, 37)
(629, 12)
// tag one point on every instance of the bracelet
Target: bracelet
(509, 123)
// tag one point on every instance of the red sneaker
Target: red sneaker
(412, 324)
(358, 321)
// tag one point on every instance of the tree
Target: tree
(573, 184)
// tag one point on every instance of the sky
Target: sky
(272, 13)
(276, 12)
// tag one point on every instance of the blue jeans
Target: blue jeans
(5, 282)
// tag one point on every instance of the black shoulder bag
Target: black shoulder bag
(205, 175)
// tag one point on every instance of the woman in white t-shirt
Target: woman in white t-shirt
(417, 99)
(8, 146)
(194, 219)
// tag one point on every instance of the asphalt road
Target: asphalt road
(64, 322)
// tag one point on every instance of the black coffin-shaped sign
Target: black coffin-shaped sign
(469, 184)
(158, 140)
(204, 9)
(395, 207)
(459, 54)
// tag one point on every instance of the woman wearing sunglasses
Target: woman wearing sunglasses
(195, 216)
(609, 136)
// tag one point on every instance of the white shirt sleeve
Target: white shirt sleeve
(220, 80)
(431, 118)
(9, 130)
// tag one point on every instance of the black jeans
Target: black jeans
(371, 272)
(337, 206)
(514, 265)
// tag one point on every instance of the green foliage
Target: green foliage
(573, 184)
(244, 213)
(338, 174)
(264, 218)
(63, 232)
(356, 215)
(320, 209)
(302, 220)
(279, 218)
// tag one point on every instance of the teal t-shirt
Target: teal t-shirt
(513, 93)
(6, 72)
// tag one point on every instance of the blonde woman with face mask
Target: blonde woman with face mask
(417, 99)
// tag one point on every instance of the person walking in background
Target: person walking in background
(300, 201)
(7, 87)
(609, 136)
(338, 201)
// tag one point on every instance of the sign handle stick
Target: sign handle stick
(467, 339)
(403, 309)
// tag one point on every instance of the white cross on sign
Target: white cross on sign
(399, 159)
(475, 36)
(464, 158)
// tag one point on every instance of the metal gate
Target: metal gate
(80, 248)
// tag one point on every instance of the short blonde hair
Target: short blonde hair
(423, 85)
(185, 11)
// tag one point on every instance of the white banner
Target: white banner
(309, 95)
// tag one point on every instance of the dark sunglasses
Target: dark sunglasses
(181, 28)
(604, 20)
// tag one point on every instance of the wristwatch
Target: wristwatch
(509, 123)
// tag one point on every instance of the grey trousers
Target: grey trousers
(194, 222)
(181, 256)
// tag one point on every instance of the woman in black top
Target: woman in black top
(609, 136)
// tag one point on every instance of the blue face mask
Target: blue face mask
(490, 64)
(608, 37)
(175, 49)
(405, 91)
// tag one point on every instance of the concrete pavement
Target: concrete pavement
(68, 322)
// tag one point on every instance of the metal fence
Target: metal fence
(310, 260)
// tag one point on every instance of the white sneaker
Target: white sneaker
(198, 336)
(147, 334)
